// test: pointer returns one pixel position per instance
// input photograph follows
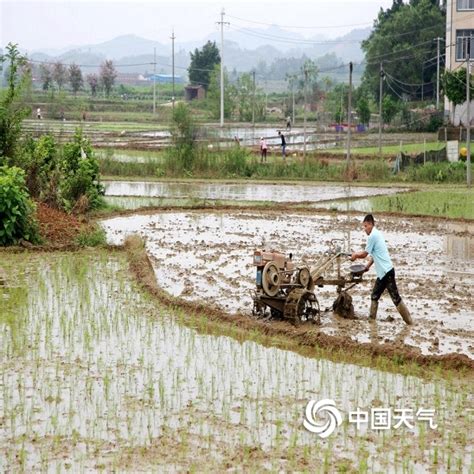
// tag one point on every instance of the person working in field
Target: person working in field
(377, 249)
(263, 150)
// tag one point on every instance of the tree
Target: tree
(247, 100)
(403, 39)
(203, 63)
(107, 76)
(363, 110)
(46, 77)
(59, 74)
(93, 82)
(390, 108)
(454, 86)
(12, 112)
(75, 78)
(311, 79)
(213, 98)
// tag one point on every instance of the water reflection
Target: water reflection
(242, 192)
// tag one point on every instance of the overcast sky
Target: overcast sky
(58, 24)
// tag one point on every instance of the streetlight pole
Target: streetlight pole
(253, 99)
(437, 76)
(222, 22)
(173, 37)
(304, 133)
(154, 81)
(380, 108)
(349, 113)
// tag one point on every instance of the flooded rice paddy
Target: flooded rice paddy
(95, 376)
(207, 257)
(294, 193)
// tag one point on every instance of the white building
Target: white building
(459, 27)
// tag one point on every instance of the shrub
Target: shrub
(92, 237)
(16, 209)
(81, 177)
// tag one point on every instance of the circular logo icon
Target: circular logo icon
(318, 409)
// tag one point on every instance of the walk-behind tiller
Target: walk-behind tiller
(288, 290)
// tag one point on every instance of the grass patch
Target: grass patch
(453, 203)
(391, 149)
(91, 237)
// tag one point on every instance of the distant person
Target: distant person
(263, 150)
(38, 113)
(84, 117)
(288, 123)
(283, 144)
(236, 140)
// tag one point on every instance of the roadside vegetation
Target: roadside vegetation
(63, 177)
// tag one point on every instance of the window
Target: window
(465, 4)
(462, 44)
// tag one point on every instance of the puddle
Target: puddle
(242, 192)
(207, 257)
(94, 375)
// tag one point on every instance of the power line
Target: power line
(299, 27)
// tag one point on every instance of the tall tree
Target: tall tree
(203, 63)
(107, 76)
(12, 112)
(46, 77)
(363, 110)
(214, 94)
(59, 74)
(403, 39)
(93, 82)
(75, 78)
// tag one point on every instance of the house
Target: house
(459, 27)
(194, 92)
(165, 78)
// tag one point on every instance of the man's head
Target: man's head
(368, 223)
(279, 132)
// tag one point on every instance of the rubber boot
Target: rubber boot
(374, 305)
(404, 313)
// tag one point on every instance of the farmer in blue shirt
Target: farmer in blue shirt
(377, 249)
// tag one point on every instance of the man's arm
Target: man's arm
(361, 254)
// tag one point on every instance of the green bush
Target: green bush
(81, 177)
(92, 237)
(437, 173)
(16, 208)
(39, 159)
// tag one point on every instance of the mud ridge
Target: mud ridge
(304, 337)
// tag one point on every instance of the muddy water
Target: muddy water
(91, 371)
(241, 192)
(207, 257)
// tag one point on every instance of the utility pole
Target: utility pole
(380, 108)
(222, 23)
(154, 81)
(293, 106)
(437, 76)
(468, 103)
(173, 37)
(305, 88)
(349, 113)
(253, 100)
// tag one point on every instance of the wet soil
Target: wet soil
(206, 258)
